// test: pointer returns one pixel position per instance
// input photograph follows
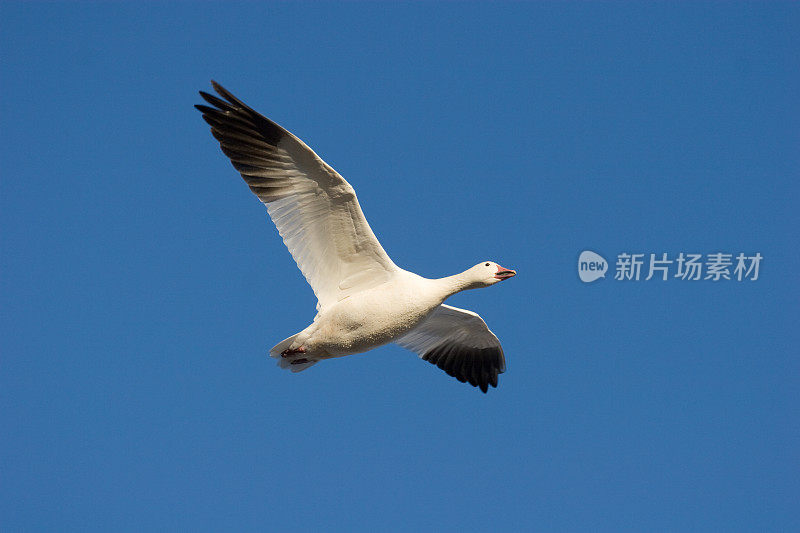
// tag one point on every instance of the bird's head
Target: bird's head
(488, 273)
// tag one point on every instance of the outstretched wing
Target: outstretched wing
(315, 210)
(459, 342)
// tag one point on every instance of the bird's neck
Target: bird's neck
(452, 284)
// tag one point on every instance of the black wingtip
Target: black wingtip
(478, 367)
(226, 94)
(216, 102)
(230, 118)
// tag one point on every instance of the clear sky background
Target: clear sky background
(142, 283)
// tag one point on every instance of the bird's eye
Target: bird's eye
(487, 264)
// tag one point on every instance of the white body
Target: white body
(373, 317)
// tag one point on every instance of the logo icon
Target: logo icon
(591, 266)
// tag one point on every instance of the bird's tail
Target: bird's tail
(294, 362)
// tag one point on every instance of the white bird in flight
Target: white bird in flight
(364, 299)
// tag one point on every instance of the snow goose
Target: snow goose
(364, 299)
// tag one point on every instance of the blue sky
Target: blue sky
(142, 284)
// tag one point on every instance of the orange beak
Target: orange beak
(504, 273)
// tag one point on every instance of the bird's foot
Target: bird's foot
(300, 361)
(289, 353)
